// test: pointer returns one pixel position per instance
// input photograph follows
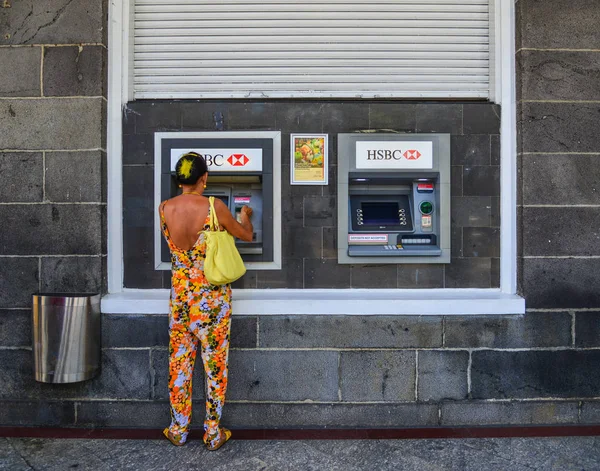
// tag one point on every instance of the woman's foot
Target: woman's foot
(223, 437)
(173, 439)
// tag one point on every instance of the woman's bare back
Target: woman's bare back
(185, 216)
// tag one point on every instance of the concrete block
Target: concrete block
(587, 329)
(125, 414)
(74, 176)
(456, 176)
(481, 180)
(252, 116)
(330, 242)
(560, 127)
(306, 117)
(135, 330)
(292, 209)
(160, 376)
(20, 72)
(471, 211)
(535, 374)
(74, 71)
(301, 242)
(468, 273)
(350, 331)
(320, 211)
(326, 274)
(590, 412)
(22, 177)
(549, 231)
(205, 116)
(15, 328)
(481, 118)
(341, 117)
(73, 274)
(138, 149)
(474, 413)
(243, 331)
(295, 191)
(561, 283)
(125, 375)
(37, 414)
(283, 375)
(472, 149)
(495, 149)
(560, 179)
(68, 229)
(52, 22)
(374, 276)
(239, 415)
(19, 279)
(138, 258)
(401, 117)
(534, 329)
(248, 281)
(290, 276)
(559, 24)
(51, 124)
(444, 118)
(481, 242)
(456, 242)
(138, 198)
(420, 276)
(153, 116)
(377, 376)
(559, 75)
(442, 375)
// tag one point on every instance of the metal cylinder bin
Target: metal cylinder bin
(66, 337)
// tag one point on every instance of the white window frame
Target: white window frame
(503, 300)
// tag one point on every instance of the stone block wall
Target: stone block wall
(52, 161)
(309, 213)
(332, 371)
(558, 57)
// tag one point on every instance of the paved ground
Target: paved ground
(514, 454)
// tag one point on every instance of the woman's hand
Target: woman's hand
(247, 210)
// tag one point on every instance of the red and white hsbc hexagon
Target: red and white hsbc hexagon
(225, 160)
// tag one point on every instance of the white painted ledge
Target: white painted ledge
(361, 302)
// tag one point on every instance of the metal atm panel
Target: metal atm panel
(393, 198)
(243, 169)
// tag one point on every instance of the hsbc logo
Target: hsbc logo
(238, 160)
(412, 154)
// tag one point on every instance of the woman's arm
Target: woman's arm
(243, 231)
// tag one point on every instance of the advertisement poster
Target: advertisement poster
(308, 164)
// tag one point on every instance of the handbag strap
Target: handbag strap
(214, 221)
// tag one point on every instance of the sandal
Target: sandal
(174, 440)
(225, 436)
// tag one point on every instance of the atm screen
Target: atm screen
(380, 213)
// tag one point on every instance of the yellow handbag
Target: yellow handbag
(223, 263)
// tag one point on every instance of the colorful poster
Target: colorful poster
(308, 163)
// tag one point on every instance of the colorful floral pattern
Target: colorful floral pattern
(199, 312)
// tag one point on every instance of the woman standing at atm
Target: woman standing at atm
(199, 312)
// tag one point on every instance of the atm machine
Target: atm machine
(243, 169)
(393, 198)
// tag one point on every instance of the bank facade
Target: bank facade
(503, 332)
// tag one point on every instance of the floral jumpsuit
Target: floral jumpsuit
(201, 312)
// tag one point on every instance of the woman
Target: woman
(199, 311)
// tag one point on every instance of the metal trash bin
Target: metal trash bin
(66, 336)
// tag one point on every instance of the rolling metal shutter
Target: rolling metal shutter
(314, 48)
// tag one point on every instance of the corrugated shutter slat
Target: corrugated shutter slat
(338, 48)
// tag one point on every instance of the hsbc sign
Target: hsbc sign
(224, 160)
(416, 155)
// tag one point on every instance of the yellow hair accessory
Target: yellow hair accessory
(185, 170)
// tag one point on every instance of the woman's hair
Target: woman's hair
(190, 168)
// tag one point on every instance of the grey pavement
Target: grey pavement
(543, 454)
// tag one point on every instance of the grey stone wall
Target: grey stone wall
(52, 149)
(52, 168)
(558, 57)
(332, 371)
(309, 213)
